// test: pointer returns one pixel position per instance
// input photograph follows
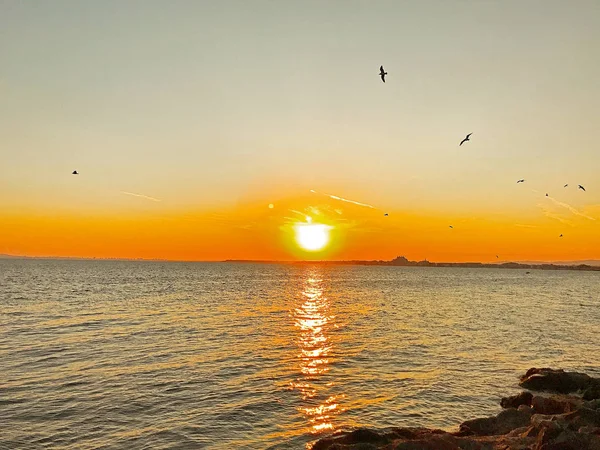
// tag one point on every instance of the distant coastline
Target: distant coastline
(400, 261)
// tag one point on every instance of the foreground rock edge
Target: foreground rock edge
(563, 415)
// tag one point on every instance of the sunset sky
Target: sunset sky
(187, 119)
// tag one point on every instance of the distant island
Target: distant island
(401, 261)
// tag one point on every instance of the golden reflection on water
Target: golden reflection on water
(313, 320)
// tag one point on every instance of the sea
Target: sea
(168, 355)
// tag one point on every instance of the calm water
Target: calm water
(128, 355)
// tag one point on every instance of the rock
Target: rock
(528, 422)
(551, 405)
(548, 432)
(592, 404)
(514, 401)
(583, 417)
(589, 430)
(571, 440)
(556, 380)
(506, 421)
(433, 443)
(360, 436)
(592, 392)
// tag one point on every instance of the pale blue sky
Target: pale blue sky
(208, 103)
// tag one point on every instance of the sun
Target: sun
(312, 237)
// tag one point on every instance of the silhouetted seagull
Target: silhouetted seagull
(546, 194)
(386, 214)
(75, 173)
(566, 185)
(451, 227)
(581, 187)
(520, 181)
(560, 235)
(465, 139)
(382, 74)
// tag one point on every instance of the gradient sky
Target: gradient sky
(219, 108)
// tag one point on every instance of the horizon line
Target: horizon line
(8, 256)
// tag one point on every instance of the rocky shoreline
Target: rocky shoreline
(562, 413)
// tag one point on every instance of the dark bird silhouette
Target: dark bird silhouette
(546, 194)
(581, 187)
(520, 181)
(451, 227)
(465, 139)
(560, 235)
(496, 256)
(75, 172)
(386, 214)
(566, 185)
(382, 74)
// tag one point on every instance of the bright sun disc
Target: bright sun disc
(312, 237)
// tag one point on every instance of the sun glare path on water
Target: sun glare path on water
(313, 319)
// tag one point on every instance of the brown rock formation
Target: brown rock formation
(528, 422)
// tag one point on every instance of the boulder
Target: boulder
(506, 421)
(570, 440)
(526, 409)
(359, 436)
(592, 392)
(514, 401)
(583, 417)
(551, 405)
(528, 422)
(592, 404)
(555, 380)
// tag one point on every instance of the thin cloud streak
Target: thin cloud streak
(554, 216)
(335, 197)
(570, 208)
(141, 196)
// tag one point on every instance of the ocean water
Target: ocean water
(140, 355)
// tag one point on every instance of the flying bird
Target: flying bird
(496, 256)
(451, 227)
(581, 187)
(520, 181)
(382, 74)
(560, 235)
(386, 214)
(546, 194)
(75, 173)
(465, 139)
(566, 185)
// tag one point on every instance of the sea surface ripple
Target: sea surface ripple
(136, 355)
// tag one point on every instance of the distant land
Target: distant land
(400, 261)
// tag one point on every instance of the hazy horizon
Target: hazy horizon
(592, 262)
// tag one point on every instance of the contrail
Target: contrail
(570, 208)
(551, 215)
(141, 196)
(335, 197)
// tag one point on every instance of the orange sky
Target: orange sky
(185, 121)
(252, 230)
